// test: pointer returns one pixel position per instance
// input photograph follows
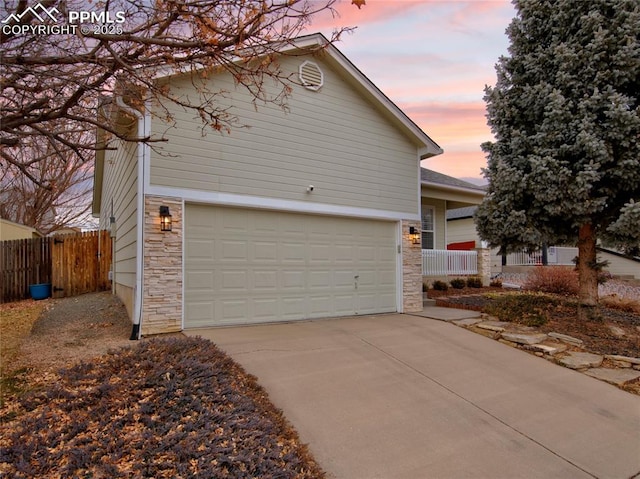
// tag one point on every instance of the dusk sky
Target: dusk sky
(433, 59)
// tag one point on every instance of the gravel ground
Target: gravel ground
(622, 289)
(72, 329)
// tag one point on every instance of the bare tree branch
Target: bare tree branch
(49, 80)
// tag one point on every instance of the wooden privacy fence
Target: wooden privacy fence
(23, 262)
(72, 264)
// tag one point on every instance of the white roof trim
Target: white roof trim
(453, 188)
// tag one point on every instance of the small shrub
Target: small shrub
(524, 308)
(496, 283)
(552, 279)
(474, 282)
(457, 283)
(440, 286)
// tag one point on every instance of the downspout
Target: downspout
(143, 127)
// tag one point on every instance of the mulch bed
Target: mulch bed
(165, 408)
(614, 332)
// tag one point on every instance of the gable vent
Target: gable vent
(311, 76)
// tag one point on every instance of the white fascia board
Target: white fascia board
(458, 189)
(293, 206)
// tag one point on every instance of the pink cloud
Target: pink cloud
(458, 163)
(349, 15)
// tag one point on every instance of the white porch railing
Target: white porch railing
(556, 255)
(439, 262)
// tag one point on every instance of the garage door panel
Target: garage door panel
(343, 253)
(201, 249)
(292, 252)
(266, 309)
(234, 280)
(265, 251)
(246, 266)
(318, 306)
(386, 303)
(199, 313)
(320, 280)
(386, 279)
(199, 281)
(293, 280)
(293, 307)
(344, 304)
(264, 281)
(234, 310)
(234, 222)
(233, 251)
(320, 253)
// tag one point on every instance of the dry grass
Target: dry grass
(16, 321)
(623, 304)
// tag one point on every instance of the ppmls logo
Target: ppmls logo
(12, 26)
(90, 22)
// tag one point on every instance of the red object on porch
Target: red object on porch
(462, 246)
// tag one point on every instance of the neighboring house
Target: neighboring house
(67, 230)
(441, 194)
(461, 231)
(13, 231)
(305, 214)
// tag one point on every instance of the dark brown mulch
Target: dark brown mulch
(612, 331)
(165, 408)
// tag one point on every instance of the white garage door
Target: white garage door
(252, 266)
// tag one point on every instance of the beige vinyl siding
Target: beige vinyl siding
(460, 230)
(620, 266)
(440, 220)
(333, 139)
(120, 186)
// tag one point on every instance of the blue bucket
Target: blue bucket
(40, 291)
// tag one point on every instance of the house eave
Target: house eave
(456, 189)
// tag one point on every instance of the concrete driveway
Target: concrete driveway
(401, 396)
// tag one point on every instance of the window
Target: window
(428, 227)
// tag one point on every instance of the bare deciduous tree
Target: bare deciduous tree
(54, 71)
(67, 199)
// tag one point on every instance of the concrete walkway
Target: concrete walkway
(402, 396)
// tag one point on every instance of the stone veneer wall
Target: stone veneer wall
(162, 280)
(484, 265)
(411, 270)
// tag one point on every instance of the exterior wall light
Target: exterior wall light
(414, 235)
(165, 219)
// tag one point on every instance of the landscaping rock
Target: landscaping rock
(546, 347)
(466, 322)
(616, 357)
(579, 360)
(567, 339)
(617, 377)
(523, 338)
(617, 331)
(497, 326)
(621, 364)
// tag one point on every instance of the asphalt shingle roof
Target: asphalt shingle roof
(431, 176)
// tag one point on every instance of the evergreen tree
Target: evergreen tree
(565, 164)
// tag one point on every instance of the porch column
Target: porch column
(484, 265)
